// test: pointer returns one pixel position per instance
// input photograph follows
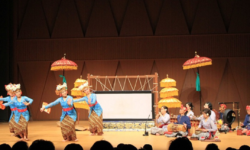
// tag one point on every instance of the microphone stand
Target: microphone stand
(146, 132)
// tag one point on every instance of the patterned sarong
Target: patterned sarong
(95, 123)
(21, 128)
(68, 129)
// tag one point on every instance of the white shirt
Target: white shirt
(212, 117)
(164, 119)
(190, 114)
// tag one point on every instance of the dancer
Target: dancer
(22, 114)
(163, 118)
(181, 127)
(190, 112)
(95, 111)
(69, 115)
(246, 123)
(206, 128)
(10, 98)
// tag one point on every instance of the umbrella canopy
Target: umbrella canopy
(197, 61)
(170, 102)
(167, 82)
(168, 92)
(63, 64)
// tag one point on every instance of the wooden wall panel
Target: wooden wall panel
(84, 9)
(153, 8)
(34, 76)
(240, 22)
(51, 10)
(38, 29)
(189, 8)
(136, 21)
(208, 19)
(101, 22)
(118, 10)
(171, 20)
(67, 24)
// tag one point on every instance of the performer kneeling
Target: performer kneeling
(22, 114)
(180, 128)
(206, 128)
(10, 98)
(95, 111)
(246, 123)
(69, 116)
(163, 119)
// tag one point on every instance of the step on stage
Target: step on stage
(49, 130)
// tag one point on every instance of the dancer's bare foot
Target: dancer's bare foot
(13, 134)
(21, 139)
(157, 134)
(65, 140)
(76, 140)
(26, 139)
(93, 134)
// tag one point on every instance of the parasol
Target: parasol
(170, 102)
(63, 64)
(197, 62)
(167, 92)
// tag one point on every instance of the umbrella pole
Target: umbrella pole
(200, 89)
(63, 72)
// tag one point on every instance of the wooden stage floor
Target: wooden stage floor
(49, 130)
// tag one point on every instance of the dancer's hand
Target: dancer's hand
(69, 101)
(42, 109)
(1, 96)
(25, 103)
(241, 124)
(89, 100)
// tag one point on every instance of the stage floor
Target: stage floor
(49, 130)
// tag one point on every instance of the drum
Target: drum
(229, 116)
(176, 128)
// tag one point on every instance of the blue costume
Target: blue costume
(93, 106)
(183, 119)
(95, 114)
(11, 105)
(22, 109)
(67, 110)
(247, 122)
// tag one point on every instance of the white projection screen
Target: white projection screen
(126, 105)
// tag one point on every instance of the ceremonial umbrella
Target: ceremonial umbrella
(170, 102)
(63, 64)
(197, 62)
(167, 93)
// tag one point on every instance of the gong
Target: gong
(229, 116)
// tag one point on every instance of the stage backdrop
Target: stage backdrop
(133, 37)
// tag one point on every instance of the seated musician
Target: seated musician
(190, 112)
(206, 128)
(209, 106)
(183, 122)
(246, 123)
(224, 125)
(163, 119)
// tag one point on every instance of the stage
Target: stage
(49, 130)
